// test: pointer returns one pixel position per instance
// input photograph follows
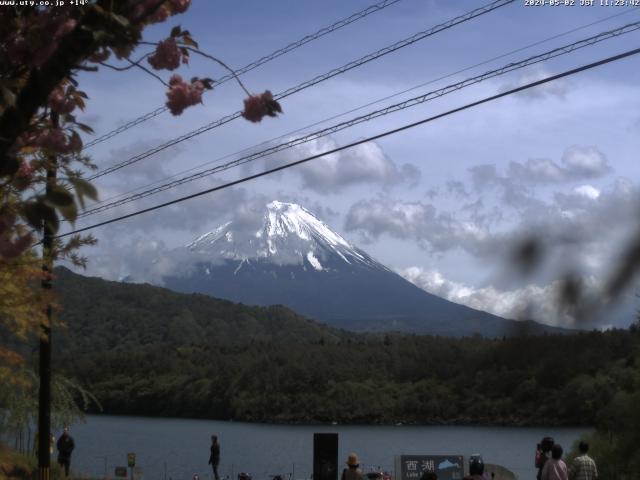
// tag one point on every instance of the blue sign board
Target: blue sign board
(447, 467)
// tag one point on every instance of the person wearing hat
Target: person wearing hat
(352, 472)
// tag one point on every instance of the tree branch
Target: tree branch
(149, 72)
(128, 67)
(219, 62)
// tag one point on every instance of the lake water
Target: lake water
(179, 448)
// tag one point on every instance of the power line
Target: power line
(314, 81)
(374, 102)
(255, 64)
(360, 142)
(556, 52)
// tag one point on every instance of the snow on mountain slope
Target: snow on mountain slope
(288, 234)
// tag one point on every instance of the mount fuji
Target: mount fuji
(290, 257)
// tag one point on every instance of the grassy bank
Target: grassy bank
(18, 466)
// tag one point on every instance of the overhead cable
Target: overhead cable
(359, 142)
(360, 107)
(412, 102)
(255, 64)
(314, 81)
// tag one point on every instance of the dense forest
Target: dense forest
(146, 350)
(97, 315)
(560, 380)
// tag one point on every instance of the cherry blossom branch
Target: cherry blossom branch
(86, 68)
(219, 62)
(128, 67)
(133, 64)
(210, 57)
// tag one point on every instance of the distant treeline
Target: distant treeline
(546, 380)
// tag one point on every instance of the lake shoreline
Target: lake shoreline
(103, 442)
(309, 422)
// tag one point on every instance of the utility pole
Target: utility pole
(44, 397)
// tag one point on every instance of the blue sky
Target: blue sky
(442, 203)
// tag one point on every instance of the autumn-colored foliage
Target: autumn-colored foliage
(21, 308)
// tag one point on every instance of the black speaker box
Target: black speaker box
(325, 456)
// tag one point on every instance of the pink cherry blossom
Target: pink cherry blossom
(256, 107)
(166, 56)
(182, 94)
(7, 221)
(56, 141)
(25, 170)
(23, 176)
(75, 143)
(59, 102)
(100, 56)
(180, 6)
(65, 28)
(12, 248)
(160, 15)
(53, 140)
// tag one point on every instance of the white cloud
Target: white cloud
(585, 161)
(418, 221)
(558, 88)
(577, 163)
(588, 191)
(363, 164)
(535, 302)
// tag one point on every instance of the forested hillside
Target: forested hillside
(100, 315)
(561, 380)
(146, 350)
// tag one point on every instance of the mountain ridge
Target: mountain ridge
(294, 259)
(107, 315)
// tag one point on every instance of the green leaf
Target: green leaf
(36, 212)
(190, 41)
(84, 127)
(100, 36)
(120, 19)
(69, 212)
(8, 97)
(208, 83)
(59, 196)
(83, 189)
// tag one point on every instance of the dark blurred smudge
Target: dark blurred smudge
(624, 272)
(527, 255)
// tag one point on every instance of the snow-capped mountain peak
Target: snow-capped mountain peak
(288, 233)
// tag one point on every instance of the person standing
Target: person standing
(555, 468)
(583, 466)
(352, 472)
(214, 458)
(476, 470)
(65, 446)
(543, 452)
